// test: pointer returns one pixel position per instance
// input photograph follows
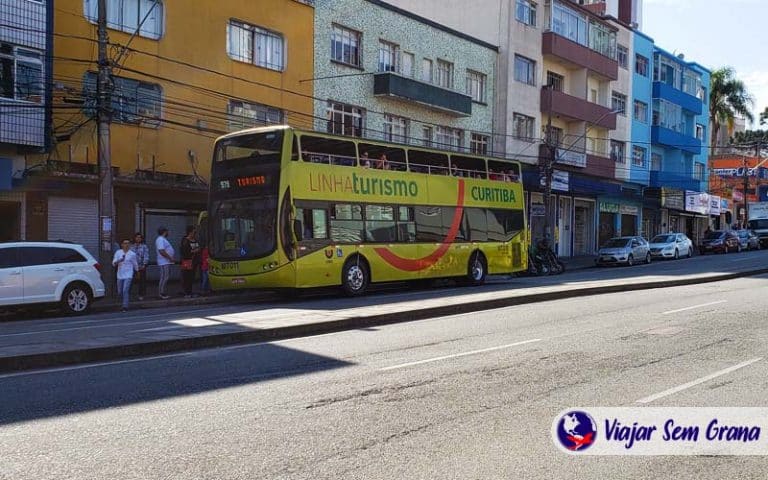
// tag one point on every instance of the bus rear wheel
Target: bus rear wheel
(477, 269)
(355, 277)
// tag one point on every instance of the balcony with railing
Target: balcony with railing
(578, 37)
(575, 109)
(392, 84)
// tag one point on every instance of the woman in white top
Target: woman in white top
(127, 265)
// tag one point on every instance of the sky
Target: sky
(715, 33)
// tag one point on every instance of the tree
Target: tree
(764, 117)
(728, 97)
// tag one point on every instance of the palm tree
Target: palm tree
(728, 97)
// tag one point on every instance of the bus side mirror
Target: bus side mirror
(297, 230)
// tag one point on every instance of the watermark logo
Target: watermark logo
(576, 431)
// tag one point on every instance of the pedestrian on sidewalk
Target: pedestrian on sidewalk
(165, 255)
(190, 259)
(126, 264)
(142, 258)
(205, 285)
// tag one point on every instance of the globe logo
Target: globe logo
(576, 431)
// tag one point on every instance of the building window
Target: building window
(252, 44)
(478, 144)
(641, 111)
(556, 80)
(395, 129)
(132, 101)
(638, 156)
(449, 138)
(127, 15)
(388, 53)
(667, 71)
(21, 74)
(444, 74)
(700, 131)
(406, 64)
(426, 70)
(619, 103)
(602, 39)
(668, 115)
(618, 151)
(641, 65)
(524, 126)
(569, 24)
(698, 171)
(655, 162)
(525, 12)
(525, 70)
(345, 46)
(476, 82)
(345, 119)
(691, 82)
(622, 56)
(246, 115)
(427, 135)
(555, 135)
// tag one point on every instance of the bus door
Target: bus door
(314, 243)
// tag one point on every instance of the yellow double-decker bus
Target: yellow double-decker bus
(299, 209)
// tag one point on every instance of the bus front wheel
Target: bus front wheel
(355, 276)
(477, 269)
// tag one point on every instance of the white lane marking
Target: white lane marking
(694, 307)
(748, 259)
(698, 381)
(93, 365)
(457, 355)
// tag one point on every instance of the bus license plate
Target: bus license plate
(238, 281)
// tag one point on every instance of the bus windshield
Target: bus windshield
(262, 148)
(243, 228)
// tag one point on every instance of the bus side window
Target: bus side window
(406, 226)
(382, 157)
(503, 171)
(380, 226)
(314, 223)
(422, 161)
(347, 223)
(330, 151)
(470, 167)
(295, 149)
(429, 224)
(478, 224)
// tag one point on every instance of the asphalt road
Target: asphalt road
(466, 396)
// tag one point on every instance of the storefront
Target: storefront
(607, 221)
(696, 216)
(583, 226)
(629, 219)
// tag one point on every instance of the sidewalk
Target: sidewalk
(153, 300)
(45, 343)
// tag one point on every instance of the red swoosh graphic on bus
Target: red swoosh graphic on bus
(416, 264)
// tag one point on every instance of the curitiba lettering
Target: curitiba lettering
(362, 185)
(487, 194)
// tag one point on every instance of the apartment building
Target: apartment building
(25, 116)
(386, 73)
(184, 73)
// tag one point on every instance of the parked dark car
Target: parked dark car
(720, 241)
(748, 240)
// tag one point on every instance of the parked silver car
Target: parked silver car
(626, 250)
(671, 245)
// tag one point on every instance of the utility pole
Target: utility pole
(758, 150)
(548, 168)
(104, 114)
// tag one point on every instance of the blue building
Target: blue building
(677, 199)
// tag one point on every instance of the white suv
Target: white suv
(49, 272)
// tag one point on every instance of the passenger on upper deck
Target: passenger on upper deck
(364, 161)
(383, 162)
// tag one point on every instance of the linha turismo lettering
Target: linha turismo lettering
(358, 185)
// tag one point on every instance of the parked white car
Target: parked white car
(671, 245)
(49, 273)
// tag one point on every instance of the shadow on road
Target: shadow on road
(40, 395)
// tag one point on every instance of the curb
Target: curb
(100, 354)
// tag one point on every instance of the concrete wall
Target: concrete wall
(412, 35)
(623, 85)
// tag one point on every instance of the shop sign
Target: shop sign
(714, 205)
(738, 196)
(609, 207)
(629, 210)
(537, 210)
(724, 205)
(568, 157)
(560, 180)
(697, 202)
(673, 199)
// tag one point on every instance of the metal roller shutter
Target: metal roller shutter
(74, 220)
